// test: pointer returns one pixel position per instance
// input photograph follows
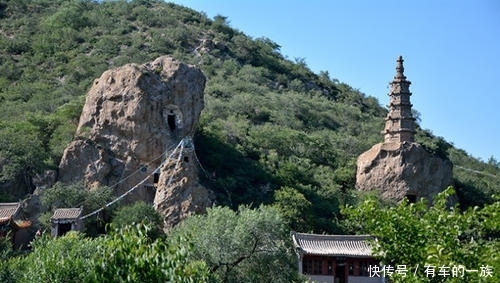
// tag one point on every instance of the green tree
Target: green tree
(137, 213)
(129, 255)
(63, 259)
(21, 153)
(295, 208)
(248, 245)
(436, 236)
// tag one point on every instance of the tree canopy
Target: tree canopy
(124, 255)
(248, 245)
(436, 238)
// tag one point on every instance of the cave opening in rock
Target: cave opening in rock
(156, 177)
(171, 122)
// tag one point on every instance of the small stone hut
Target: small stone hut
(65, 220)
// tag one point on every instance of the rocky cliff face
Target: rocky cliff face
(132, 115)
(399, 170)
(179, 193)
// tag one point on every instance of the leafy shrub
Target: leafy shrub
(139, 213)
(126, 255)
(247, 245)
(129, 255)
(417, 235)
(64, 259)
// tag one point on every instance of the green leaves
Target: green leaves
(243, 246)
(129, 255)
(418, 234)
(21, 153)
(64, 259)
(139, 213)
(125, 255)
(294, 208)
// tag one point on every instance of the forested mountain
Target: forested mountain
(272, 131)
(278, 144)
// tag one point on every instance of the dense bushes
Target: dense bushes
(125, 255)
(416, 235)
(248, 245)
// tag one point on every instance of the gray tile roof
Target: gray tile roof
(333, 245)
(9, 210)
(67, 214)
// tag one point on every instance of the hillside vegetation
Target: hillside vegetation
(277, 142)
(272, 131)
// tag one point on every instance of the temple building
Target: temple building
(335, 258)
(12, 225)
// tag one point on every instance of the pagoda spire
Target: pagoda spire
(399, 123)
(400, 69)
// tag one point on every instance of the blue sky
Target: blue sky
(451, 50)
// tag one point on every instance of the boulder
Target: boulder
(398, 170)
(133, 115)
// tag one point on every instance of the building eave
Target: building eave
(356, 246)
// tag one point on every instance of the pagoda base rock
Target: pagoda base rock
(399, 170)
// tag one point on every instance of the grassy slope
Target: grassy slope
(268, 122)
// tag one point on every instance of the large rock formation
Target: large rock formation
(399, 170)
(132, 115)
(399, 167)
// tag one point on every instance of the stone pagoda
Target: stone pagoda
(399, 123)
(399, 167)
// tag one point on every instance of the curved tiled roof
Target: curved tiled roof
(66, 213)
(9, 210)
(333, 245)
